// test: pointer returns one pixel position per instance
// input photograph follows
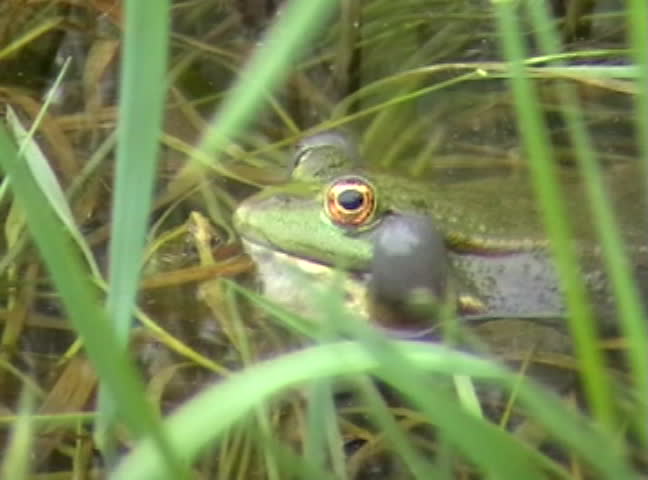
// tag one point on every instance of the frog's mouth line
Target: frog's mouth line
(264, 249)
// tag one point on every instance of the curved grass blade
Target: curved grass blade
(298, 23)
(80, 299)
(47, 181)
(237, 396)
(537, 145)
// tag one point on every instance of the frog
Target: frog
(393, 235)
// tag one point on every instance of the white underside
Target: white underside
(295, 282)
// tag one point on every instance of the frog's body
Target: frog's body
(493, 232)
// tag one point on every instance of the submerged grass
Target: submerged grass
(242, 412)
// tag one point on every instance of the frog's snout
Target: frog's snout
(240, 215)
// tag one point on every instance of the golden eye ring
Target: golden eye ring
(350, 201)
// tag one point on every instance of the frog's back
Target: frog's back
(502, 213)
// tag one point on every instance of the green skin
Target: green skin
(492, 229)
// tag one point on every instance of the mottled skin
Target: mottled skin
(492, 228)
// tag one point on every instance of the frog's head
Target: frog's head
(331, 224)
(325, 214)
(332, 216)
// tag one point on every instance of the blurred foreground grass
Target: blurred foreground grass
(437, 100)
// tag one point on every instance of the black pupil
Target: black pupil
(351, 199)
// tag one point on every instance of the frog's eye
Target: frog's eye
(350, 201)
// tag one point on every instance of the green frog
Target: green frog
(479, 241)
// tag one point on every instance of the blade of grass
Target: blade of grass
(46, 179)
(42, 171)
(638, 19)
(45, 421)
(298, 23)
(28, 37)
(293, 464)
(442, 410)
(628, 301)
(538, 148)
(637, 11)
(80, 299)
(141, 104)
(237, 395)
(16, 461)
(323, 432)
(416, 462)
(478, 70)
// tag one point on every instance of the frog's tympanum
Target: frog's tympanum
(479, 241)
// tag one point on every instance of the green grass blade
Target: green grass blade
(635, 332)
(537, 145)
(323, 432)
(142, 94)
(637, 11)
(17, 453)
(48, 182)
(298, 23)
(628, 301)
(81, 300)
(442, 409)
(237, 396)
(416, 462)
(141, 104)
